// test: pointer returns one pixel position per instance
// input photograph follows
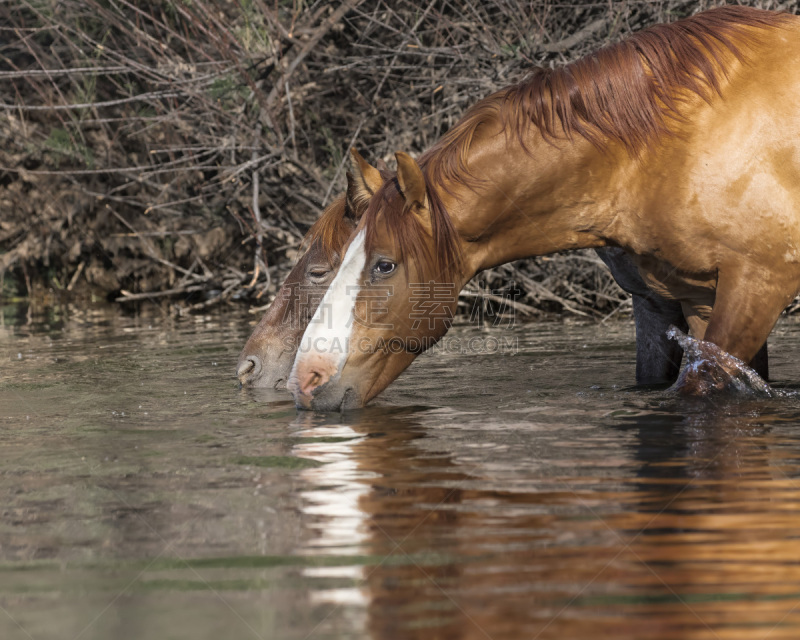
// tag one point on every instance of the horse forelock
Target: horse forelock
(332, 230)
(436, 254)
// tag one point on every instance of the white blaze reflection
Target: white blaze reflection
(339, 524)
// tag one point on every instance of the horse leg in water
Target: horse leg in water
(658, 358)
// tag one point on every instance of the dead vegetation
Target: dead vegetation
(175, 151)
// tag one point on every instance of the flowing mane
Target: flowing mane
(630, 92)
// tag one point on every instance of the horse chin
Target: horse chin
(351, 400)
(268, 381)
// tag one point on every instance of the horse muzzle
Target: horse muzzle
(253, 372)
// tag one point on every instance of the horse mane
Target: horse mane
(630, 92)
(332, 229)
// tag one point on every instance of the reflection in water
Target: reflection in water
(145, 496)
(688, 529)
(676, 540)
(337, 485)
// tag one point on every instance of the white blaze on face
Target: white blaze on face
(328, 333)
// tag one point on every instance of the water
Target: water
(709, 369)
(535, 495)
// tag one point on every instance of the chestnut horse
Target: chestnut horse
(267, 357)
(680, 145)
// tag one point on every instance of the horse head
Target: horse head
(393, 297)
(268, 354)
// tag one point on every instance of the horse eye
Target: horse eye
(318, 274)
(385, 267)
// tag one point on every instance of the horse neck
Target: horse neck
(536, 200)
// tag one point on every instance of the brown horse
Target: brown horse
(680, 145)
(268, 354)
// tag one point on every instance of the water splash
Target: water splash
(708, 369)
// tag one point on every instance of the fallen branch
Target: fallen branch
(127, 296)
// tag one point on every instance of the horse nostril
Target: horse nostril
(248, 369)
(311, 381)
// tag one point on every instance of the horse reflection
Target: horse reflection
(715, 524)
(664, 528)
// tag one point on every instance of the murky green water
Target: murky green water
(492, 496)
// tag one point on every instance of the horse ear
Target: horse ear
(354, 205)
(411, 180)
(367, 179)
